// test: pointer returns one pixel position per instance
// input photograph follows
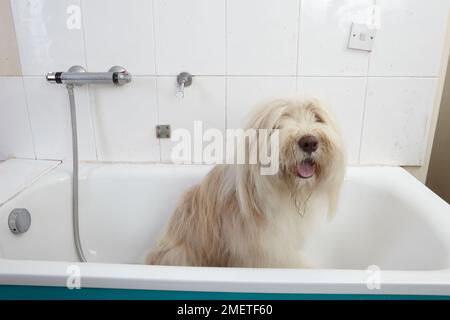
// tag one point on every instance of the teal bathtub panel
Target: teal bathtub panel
(13, 292)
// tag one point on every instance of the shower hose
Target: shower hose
(76, 226)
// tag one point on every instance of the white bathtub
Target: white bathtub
(387, 221)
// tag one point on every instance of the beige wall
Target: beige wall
(9, 55)
(421, 172)
(438, 178)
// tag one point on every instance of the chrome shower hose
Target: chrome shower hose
(76, 225)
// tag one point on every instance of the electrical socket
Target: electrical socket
(362, 37)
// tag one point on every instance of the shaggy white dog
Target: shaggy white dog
(237, 217)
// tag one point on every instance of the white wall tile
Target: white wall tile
(245, 93)
(204, 101)
(324, 32)
(15, 131)
(50, 120)
(125, 118)
(258, 51)
(397, 119)
(262, 37)
(44, 40)
(119, 32)
(345, 97)
(410, 39)
(190, 36)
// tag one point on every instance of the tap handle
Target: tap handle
(184, 79)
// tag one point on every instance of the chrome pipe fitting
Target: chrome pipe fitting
(77, 75)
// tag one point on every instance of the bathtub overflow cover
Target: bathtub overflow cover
(19, 220)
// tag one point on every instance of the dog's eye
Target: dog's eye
(318, 119)
(277, 127)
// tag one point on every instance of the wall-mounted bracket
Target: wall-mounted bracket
(163, 131)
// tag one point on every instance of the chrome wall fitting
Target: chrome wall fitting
(19, 220)
(78, 75)
(184, 79)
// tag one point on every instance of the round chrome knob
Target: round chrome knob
(19, 220)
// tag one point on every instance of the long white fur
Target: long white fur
(238, 217)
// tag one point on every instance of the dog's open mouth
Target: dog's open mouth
(306, 168)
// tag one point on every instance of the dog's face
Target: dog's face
(310, 144)
(311, 155)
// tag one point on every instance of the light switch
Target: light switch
(362, 37)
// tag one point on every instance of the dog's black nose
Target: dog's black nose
(308, 144)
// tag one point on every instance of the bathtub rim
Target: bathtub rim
(244, 280)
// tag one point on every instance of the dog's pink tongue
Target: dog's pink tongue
(306, 169)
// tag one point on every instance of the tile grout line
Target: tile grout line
(298, 46)
(258, 76)
(226, 65)
(90, 98)
(153, 15)
(33, 142)
(361, 134)
(22, 77)
(18, 42)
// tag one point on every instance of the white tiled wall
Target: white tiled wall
(262, 37)
(190, 35)
(113, 30)
(205, 102)
(241, 52)
(15, 130)
(399, 113)
(45, 43)
(324, 30)
(48, 107)
(345, 97)
(411, 38)
(125, 118)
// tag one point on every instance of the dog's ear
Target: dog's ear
(337, 171)
(247, 193)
